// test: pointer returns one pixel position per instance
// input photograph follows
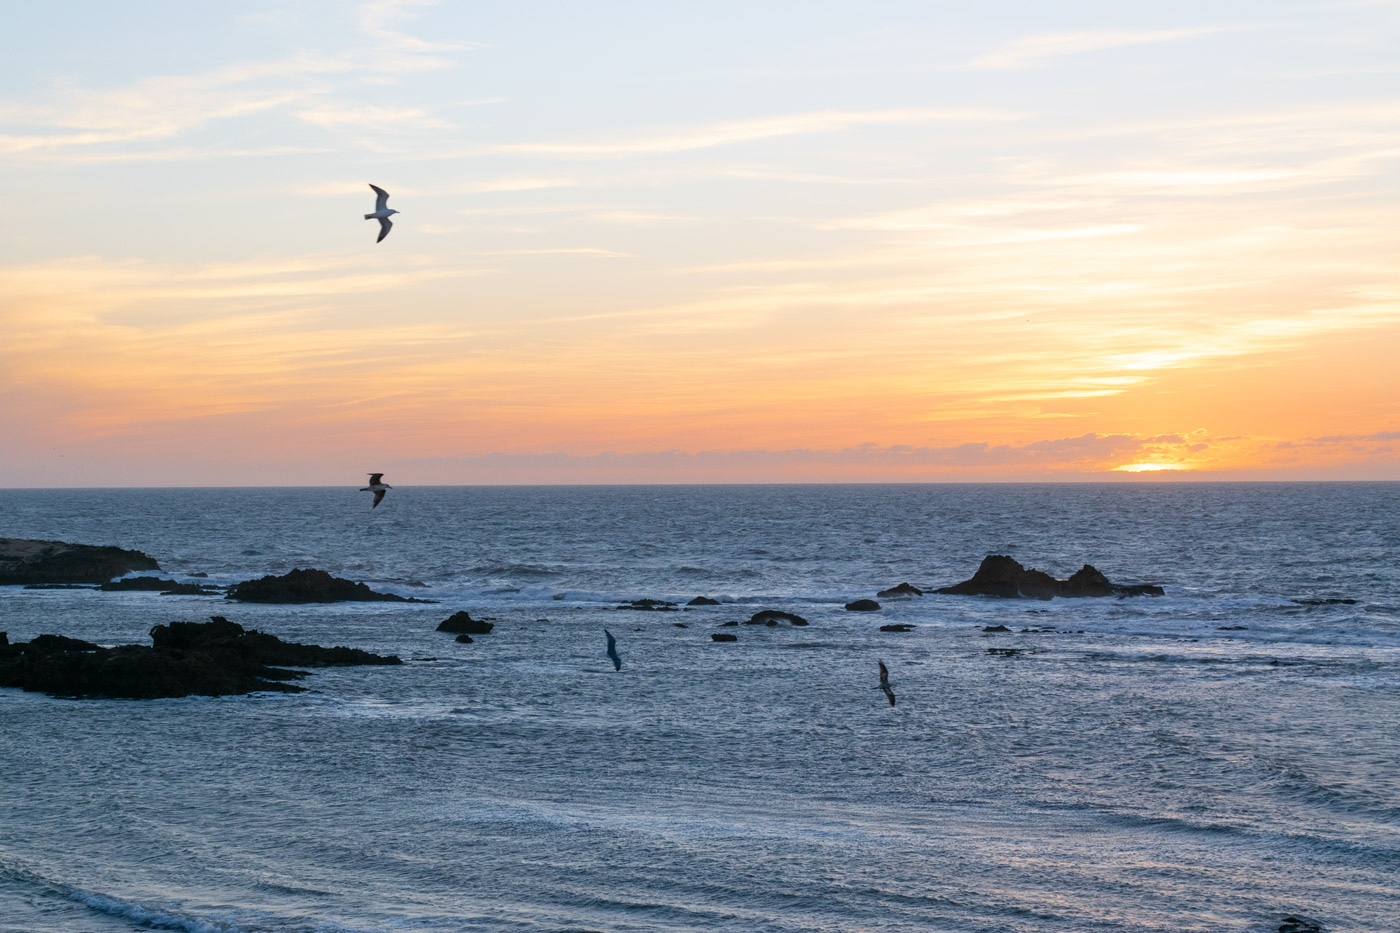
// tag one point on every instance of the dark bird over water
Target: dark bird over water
(612, 650)
(376, 486)
(381, 212)
(885, 682)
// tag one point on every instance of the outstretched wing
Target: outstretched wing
(385, 225)
(378, 498)
(374, 478)
(381, 198)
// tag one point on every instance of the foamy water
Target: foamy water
(1214, 760)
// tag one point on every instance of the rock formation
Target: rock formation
(24, 561)
(723, 636)
(863, 605)
(310, 586)
(214, 658)
(773, 617)
(1002, 576)
(463, 624)
(903, 591)
(703, 601)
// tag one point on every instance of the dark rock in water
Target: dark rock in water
(463, 623)
(311, 586)
(464, 638)
(903, 591)
(680, 625)
(863, 605)
(1002, 576)
(1004, 652)
(1299, 925)
(730, 622)
(649, 605)
(156, 584)
(214, 658)
(995, 628)
(898, 627)
(1329, 601)
(1232, 628)
(773, 617)
(60, 586)
(23, 561)
(723, 636)
(703, 601)
(198, 575)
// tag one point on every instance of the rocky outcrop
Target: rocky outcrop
(25, 561)
(310, 586)
(1002, 576)
(703, 601)
(773, 617)
(214, 658)
(723, 636)
(863, 605)
(649, 605)
(464, 639)
(157, 585)
(462, 623)
(903, 591)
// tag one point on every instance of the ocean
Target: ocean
(1218, 759)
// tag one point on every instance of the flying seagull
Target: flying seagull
(612, 650)
(885, 682)
(381, 212)
(377, 486)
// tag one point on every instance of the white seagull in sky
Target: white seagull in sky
(381, 213)
(377, 486)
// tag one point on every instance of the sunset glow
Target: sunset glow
(710, 244)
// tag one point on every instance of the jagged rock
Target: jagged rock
(1002, 576)
(311, 586)
(773, 617)
(464, 638)
(23, 561)
(723, 636)
(897, 627)
(463, 623)
(995, 628)
(703, 601)
(863, 605)
(214, 658)
(903, 591)
(649, 605)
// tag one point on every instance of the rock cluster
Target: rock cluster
(214, 658)
(310, 586)
(773, 617)
(25, 561)
(156, 584)
(903, 591)
(1002, 576)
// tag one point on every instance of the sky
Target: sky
(650, 242)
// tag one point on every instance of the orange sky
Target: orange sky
(975, 252)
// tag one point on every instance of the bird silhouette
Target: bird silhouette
(612, 650)
(376, 486)
(885, 682)
(381, 212)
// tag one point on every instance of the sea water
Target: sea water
(1217, 759)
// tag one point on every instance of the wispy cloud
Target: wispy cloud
(1034, 50)
(741, 131)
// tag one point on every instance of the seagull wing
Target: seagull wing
(385, 225)
(374, 478)
(381, 198)
(378, 498)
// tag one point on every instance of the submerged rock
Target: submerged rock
(464, 639)
(773, 617)
(723, 636)
(703, 601)
(1002, 576)
(24, 560)
(863, 605)
(311, 586)
(995, 628)
(1299, 925)
(156, 584)
(903, 591)
(214, 658)
(463, 623)
(897, 627)
(649, 605)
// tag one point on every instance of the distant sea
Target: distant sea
(1217, 759)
